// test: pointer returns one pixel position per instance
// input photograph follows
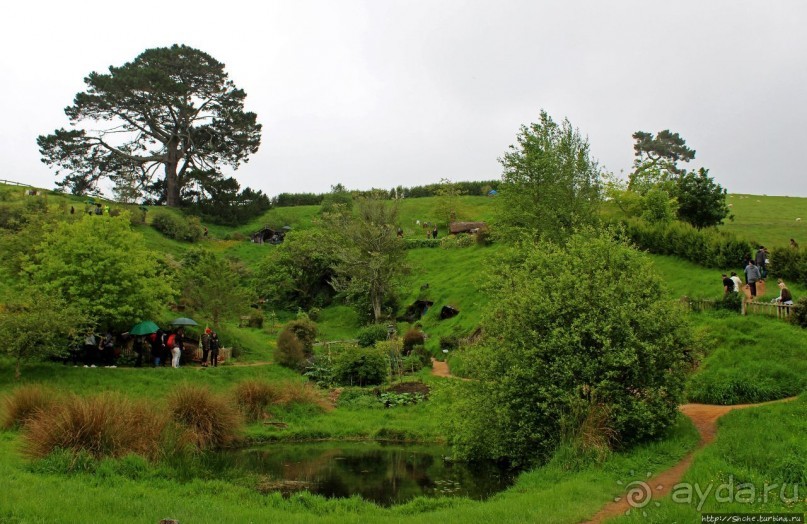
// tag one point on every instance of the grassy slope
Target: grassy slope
(768, 220)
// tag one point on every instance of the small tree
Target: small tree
(595, 338)
(38, 326)
(550, 185)
(370, 258)
(702, 201)
(448, 207)
(213, 285)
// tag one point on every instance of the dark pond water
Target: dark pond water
(386, 474)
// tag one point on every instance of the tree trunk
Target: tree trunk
(17, 373)
(171, 179)
(376, 300)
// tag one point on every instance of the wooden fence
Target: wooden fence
(767, 308)
(13, 183)
(749, 307)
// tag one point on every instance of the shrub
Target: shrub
(106, 425)
(371, 334)
(207, 419)
(412, 363)
(306, 332)
(789, 264)
(548, 356)
(289, 351)
(417, 243)
(360, 367)
(255, 318)
(188, 229)
(413, 337)
(731, 302)
(24, 403)
(798, 313)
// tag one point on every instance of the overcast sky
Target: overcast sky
(379, 93)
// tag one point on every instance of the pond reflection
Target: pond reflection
(386, 474)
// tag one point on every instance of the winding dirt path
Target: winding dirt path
(704, 417)
(440, 369)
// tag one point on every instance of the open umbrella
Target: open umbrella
(146, 327)
(183, 321)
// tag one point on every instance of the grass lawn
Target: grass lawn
(768, 220)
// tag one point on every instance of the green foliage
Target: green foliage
(338, 200)
(706, 247)
(550, 185)
(547, 356)
(306, 332)
(657, 207)
(102, 268)
(221, 202)
(370, 257)
(184, 228)
(213, 286)
(298, 271)
(369, 335)
(417, 243)
(798, 313)
(701, 201)
(662, 151)
(448, 207)
(457, 241)
(36, 325)
(170, 110)
(391, 399)
(789, 263)
(289, 350)
(731, 302)
(356, 366)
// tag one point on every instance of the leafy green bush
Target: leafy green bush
(707, 247)
(188, 229)
(369, 335)
(789, 263)
(449, 342)
(731, 302)
(457, 241)
(417, 243)
(360, 367)
(547, 356)
(412, 363)
(390, 399)
(798, 313)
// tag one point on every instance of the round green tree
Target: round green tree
(576, 333)
(104, 268)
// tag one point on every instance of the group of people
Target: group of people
(756, 270)
(96, 351)
(170, 345)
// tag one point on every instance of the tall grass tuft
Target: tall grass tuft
(208, 420)
(105, 425)
(24, 403)
(254, 397)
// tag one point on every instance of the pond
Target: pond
(386, 474)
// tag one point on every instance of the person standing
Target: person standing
(752, 276)
(738, 284)
(759, 260)
(175, 343)
(434, 231)
(206, 346)
(214, 349)
(157, 347)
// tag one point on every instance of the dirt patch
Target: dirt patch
(440, 368)
(409, 387)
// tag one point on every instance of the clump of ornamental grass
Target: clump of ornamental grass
(207, 420)
(254, 397)
(25, 402)
(105, 425)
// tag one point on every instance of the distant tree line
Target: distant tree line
(480, 188)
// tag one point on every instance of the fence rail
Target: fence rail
(13, 183)
(771, 309)
(767, 308)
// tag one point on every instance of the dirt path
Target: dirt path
(440, 369)
(704, 417)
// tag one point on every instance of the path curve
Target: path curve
(704, 417)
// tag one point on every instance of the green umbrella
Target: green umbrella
(183, 321)
(146, 327)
